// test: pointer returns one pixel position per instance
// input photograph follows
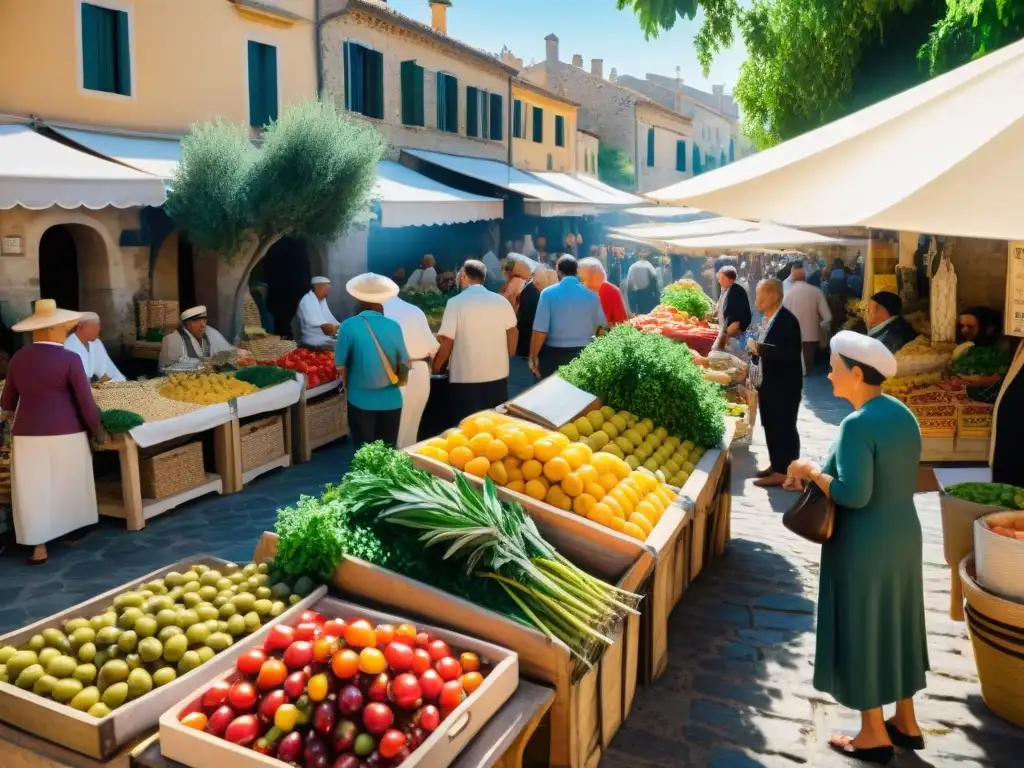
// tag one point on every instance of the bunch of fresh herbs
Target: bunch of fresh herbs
(687, 296)
(982, 361)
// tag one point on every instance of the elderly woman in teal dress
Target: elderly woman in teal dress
(872, 646)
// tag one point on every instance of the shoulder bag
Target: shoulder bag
(397, 375)
(812, 515)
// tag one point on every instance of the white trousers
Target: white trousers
(414, 399)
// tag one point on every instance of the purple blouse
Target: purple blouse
(47, 385)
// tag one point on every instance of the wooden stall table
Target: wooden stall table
(22, 750)
(125, 500)
(259, 445)
(317, 420)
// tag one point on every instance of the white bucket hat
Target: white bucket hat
(371, 288)
(46, 315)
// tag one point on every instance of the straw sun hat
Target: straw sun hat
(372, 289)
(46, 315)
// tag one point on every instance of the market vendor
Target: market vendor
(194, 340)
(47, 395)
(734, 313)
(85, 342)
(318, 328)
(980, 325)
(425, 276)
(885, 322)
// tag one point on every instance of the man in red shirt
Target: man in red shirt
(593, 276)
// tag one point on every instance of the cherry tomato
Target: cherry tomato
(219, 720)
(391, 743)
(428, 717)
(421, 661)
(298, 654)
(422, 640)
(335, 628)
(286, 717)
(431, 684)
(312, 617)
(377, 718)
(438, 649)
(271, 703)
(360, 634)
(323, 648)
(217, 695)
(345, 663)
(243, 730)
(242, 696)
(308, 631)
(372, 661)
(295, 684)
(272, 674)
(195, 720)
(317, 687)
(448, 668)
(399, 655)
(451, 694)
(280, 637)
(385, 634)
(471, 681)
(469, 662)
(406, 687)
(249, 663)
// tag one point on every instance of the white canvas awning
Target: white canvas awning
(410, 199)
(665, 212)
(589, 189)
(159, 157)
(944, 157)
(752, 239)
(713, 226)
(38, 173)
(542, 199)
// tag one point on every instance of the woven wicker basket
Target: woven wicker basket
(251, 313)
(172, 472)
(262, 442)
(327, 417)
(157, 314)
(268, 349)
(984, 602)
(999, 560)
(1000, 670)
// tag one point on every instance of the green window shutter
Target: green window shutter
(472, 111)
(722, 161)
(442, 113)
(732, 150)
(680, 155)
(559, 131)
(696, 160)
(538, 125)
(451, 86)
(497, 117)
(269, 84)
(650, 147)
(255, 86)
(517, 119)
(417, 96)
(91, 47)
(375, 84)
(408, 74)
(100, 48)
(122, 57)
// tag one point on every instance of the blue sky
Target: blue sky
(591, 28)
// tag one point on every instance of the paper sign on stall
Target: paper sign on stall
(551, 403)
(1014, 316)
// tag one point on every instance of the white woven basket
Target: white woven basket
(915, 365)
(1000, 559)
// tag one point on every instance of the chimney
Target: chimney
(679, 90)
(551, 45)
(439, 15)
(577, 61)
(597, 67)
(719, 92)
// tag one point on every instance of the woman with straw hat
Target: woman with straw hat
(54, 414)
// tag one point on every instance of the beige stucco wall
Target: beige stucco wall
(111, 278)
(188, 61)
(980, 267)
(587, 146)
(668, 130)
(533, 156)
(398, 44)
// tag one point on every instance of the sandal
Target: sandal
(904, 740)
(877, 755)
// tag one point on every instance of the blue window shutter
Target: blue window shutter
(122, 57)
(91, 47)
(472, 111)
(696, 160)
(559, 131)
(375, 84)
(722, 161)
(650, 147)
(680, 155)
(538, 125)
(517, 119)
(497, 117)
(255, 86)
(732, 150)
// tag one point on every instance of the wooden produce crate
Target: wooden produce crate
(265, 444)
(172, 472)
(321, 417)
(201, 750)
(590, 705)
(102, 737)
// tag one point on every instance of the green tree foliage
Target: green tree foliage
(972, 28)
(312, 177)
(615, 167)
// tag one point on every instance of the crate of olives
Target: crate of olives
(98, 675)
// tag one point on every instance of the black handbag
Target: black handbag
(812, 516)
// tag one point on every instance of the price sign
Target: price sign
(1014, 315)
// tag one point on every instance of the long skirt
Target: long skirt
(414, 399)
(52, 486)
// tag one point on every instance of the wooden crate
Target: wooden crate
(172, 472)
(102, 737)
(589, 706)
(201, 750)
(262, 441)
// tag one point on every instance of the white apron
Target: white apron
(53, 490)
(414, 399)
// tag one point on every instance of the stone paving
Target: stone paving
(738, 692)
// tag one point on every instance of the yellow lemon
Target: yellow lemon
(484, 424)
(460, 456)
(536, 489)
(630, 493)
(588, 474)
(497, 473)
(623, 499)
(515, 440)
(608, 481)
(480, 442)
(559, 439)
(582, 504)
(634, 530)
(545, 449)
(614, 507)
(516, 485)
(477, 467)
(641, 522)
(575, 455)
(594, 489)
(496, 451)
(456, 439)
(572, 485)
(438, 442)
(524, 452)
(556, 469)
(531, 469)
(620, 468)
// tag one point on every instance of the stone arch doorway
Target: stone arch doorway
(287, 270)
(74, 269)
(174, 271)
(58, 267)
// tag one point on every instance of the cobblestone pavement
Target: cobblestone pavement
(738, 693)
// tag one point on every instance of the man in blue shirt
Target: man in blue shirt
(568, 316)
(365, 342)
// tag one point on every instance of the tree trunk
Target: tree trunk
(238, 307)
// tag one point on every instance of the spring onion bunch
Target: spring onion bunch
(497, 541)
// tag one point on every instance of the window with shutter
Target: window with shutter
(538, 125)
(447, 103)
(472, 111)
(697, 169)
(517, 119)
(559, 131)
(364, 80)
(497, 117)
(262, 84)
(732, 150)
(106, 50)
(650, 147)
(722, 160)
(412, 93)
(680, 155)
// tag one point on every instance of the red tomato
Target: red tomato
(312, 617)
(421, 661)
(272, 674)
(298, 654)
(406, 687)
(249, 663)
(431, 684)
(243, 730)
(280, 637)
(377, 718)
(391, 743)
(242, 696)
(385, 634)
(427, 718)
(270, 703)
(452, 694)
(448, 668)
(216, 695)
(345, 663)
(399, 655)
(295, 684)
(307, 631)
(438, 649)
(470, 662)
(335, 628)
(360, 634)
(195, 720)
(422, 640)
(219, 720)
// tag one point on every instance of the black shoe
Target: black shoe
(877, 755)
(904, 741)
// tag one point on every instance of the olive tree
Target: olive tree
(312, 177)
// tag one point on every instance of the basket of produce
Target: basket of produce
(345, 685)
(140, 397)
(268, 349)
(974, 420)
(172, 472)
(327, 418)
(262, 441)
(981, 366)
(204, 388)
(318, 367)
(988, 604)
(251, 313)
(919, 357)
(689, 298)
(999, 553)
(157, 315)
(678, 326)
(98, 675)
(263, 376)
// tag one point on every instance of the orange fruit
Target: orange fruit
(594, 489)
(641, 522)
(582, 504)
(536, 489)
(556, 469)
(545, 450)
(456, 439)
(614, 507)
(516, 485)
(513, 438)
(496, 451)
(468, 427)
(602, 462)
(523, 452)
(438, 454)
(599, 512)
(616, 523)
(438, 442)
(514, 474)
(588, 474)
(556, 498)
(572, 485)
(531, 469)
(608, 481)
(497, 473)
(480, 442)
(484, 424)
(575, 456)
(478, 466)
(460, 456)
(631, 529)
(511, 462)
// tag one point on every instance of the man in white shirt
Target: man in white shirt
(479, 334)
(425, 276)
(493, 265)
(810, 306)
(421, 346)
(85, 342)
(194, 340)
(318, 328)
